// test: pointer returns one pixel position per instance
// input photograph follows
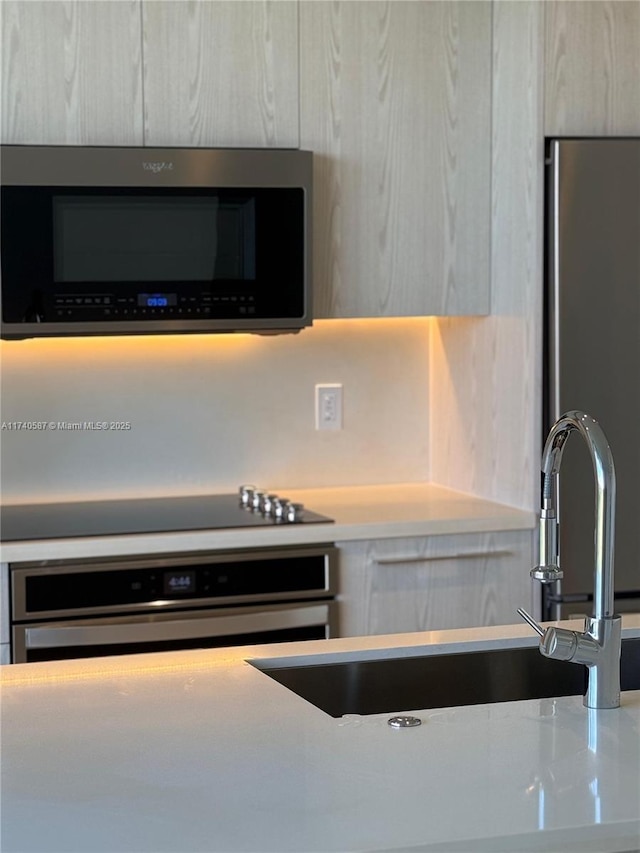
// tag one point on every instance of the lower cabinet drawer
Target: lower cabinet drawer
(434, 583)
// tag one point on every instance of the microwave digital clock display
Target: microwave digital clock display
(157, 300)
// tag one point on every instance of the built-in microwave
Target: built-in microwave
(135, 240)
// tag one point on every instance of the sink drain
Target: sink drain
(404, 722)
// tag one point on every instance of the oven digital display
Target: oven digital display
(179, 582)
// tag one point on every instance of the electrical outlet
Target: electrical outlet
(329, 406)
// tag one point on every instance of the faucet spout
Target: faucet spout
(598, 647)
(605, 476)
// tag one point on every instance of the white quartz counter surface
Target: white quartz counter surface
(359, 512)
(200, 751)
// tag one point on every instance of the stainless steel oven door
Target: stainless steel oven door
(231, 626)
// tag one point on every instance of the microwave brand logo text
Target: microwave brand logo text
(157, 166)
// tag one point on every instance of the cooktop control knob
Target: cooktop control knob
(257, 499)
(280, 507)
(268, 504)
(294, 512)
(246, 495)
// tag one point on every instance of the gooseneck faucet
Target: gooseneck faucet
(598, 647)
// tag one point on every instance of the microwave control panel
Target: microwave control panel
(70, 307)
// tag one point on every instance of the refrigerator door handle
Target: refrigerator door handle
(554, 289)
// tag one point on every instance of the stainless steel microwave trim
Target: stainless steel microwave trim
(87, 166)
(20, 574)
(148, 327)
(165, 627)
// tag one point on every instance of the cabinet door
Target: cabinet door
(592, 68)
(221, 73)
(395, 101)
(434, 583)
(71, 73)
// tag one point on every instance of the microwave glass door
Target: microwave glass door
(82, 255)
(137, 238)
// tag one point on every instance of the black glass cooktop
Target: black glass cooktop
(119, 517)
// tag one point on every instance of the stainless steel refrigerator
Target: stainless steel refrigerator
(592, 351)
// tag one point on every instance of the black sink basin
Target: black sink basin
(441, 681)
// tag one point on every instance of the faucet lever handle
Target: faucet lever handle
(531, 621)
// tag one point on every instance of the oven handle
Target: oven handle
(59, 636)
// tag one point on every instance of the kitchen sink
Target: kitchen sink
(397, 684)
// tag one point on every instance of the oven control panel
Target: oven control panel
(121, 586)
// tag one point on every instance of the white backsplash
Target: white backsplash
(208, 413)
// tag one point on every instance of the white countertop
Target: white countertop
(200, 751)
(359, 512)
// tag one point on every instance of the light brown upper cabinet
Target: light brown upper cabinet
(592, 68)
(395, 101)
(221, 73)
(71, 73)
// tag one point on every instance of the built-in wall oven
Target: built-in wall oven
(63, 609)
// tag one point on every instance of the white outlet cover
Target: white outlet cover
(328, 409)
